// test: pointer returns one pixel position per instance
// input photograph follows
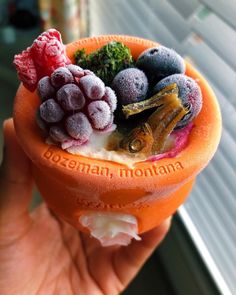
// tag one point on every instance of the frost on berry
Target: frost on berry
(189, 93)
(61, 76)
(130, 85)
(93, 86)
(71, 97)
(75, 70)
(58, 134)
(41, 123)
(159, 62)
(99, 114)
(45, 88)
(50, 111)
(110, 98)
(78, 127)
(26, 69)
(46, 54)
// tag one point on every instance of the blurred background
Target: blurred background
(199, 254)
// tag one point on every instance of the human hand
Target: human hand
(41, 254)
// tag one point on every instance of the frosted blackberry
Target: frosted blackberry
(99, 114)
(61, 76)
(110, 98)
(71, 97)
(130, 85)
(159, 62)
(41, 123)
(50, 111)
(75, 70)
(189, 93)
(45, 88)
(78, 127)
(58, 134)
(92, 86)
(77, 104)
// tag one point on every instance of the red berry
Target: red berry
(46, 54)
(26, 69)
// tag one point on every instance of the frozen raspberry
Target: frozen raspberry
(110, 98)
(71, 97)
(50, 111)
(78, 127)
(45, 88)
(159, 62)
(58, 134)
(26, 69)
(99, 114)
(130, 85)
(46, 54)
(189, 93)
(49, 52)
(93, 86)
(61, 76)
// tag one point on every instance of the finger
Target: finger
(128, 260)
(15, 178)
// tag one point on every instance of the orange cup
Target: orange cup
(73, 185)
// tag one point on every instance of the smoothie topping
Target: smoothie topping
(150, 100)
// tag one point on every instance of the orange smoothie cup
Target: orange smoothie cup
(74, 185)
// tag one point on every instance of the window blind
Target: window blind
(204, 32)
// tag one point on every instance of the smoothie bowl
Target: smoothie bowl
(112, 164)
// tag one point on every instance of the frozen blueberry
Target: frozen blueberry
(61, 76)
(159, 62)
(99, 114)
(50, 111)
(71, 97)
(110, 98)
(130, 85)
(189, 93)
(58, 134)
(45, 88)
(78, 127)
(93, 86)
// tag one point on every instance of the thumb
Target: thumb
(16, 181)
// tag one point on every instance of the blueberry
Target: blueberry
(189, 93)
(71, 97)
(130, 85)
(160, 62)
(50, 111)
